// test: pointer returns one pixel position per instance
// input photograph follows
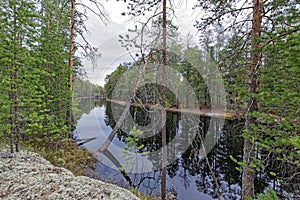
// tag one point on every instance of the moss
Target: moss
(65, 154)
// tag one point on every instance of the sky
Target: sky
(105, 36)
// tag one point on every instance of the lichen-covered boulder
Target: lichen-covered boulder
(27, 175)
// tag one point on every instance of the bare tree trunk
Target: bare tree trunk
(163, 99)
(249, 147)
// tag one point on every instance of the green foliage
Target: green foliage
(34, 74)
(17, 60)
(279, 101)
(274, 128)
(112, 80)
(133, 146)
(269, 195)
(241, 164)
(191, 80)
(133, 141)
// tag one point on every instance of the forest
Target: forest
(246, 63)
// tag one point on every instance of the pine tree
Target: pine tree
(18, 37)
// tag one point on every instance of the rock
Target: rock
(27, 175)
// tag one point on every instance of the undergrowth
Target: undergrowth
(65, 154)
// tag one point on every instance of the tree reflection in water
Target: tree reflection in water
(188, 176)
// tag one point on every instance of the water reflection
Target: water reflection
(188, 176)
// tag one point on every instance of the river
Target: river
(134, 157)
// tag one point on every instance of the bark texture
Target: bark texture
(71, 64)
(72, 32)
(249, 147)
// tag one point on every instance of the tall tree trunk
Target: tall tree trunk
(163, 99)
(47, 69)
(249, 147)
(71, 63)
(14, 110)
(72, 31)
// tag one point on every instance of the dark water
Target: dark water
(188, 175)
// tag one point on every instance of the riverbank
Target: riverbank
(218, 113)
(27, 175)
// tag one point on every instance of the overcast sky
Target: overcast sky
(105, 37)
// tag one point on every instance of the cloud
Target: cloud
(105, 37)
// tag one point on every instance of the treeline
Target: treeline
(84, 88)
(183, 78)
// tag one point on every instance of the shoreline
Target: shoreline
(218, 113)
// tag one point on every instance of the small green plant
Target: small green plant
(132, 145)
(134, 191)
(269, 195)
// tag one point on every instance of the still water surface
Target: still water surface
(188, 175)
